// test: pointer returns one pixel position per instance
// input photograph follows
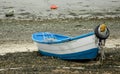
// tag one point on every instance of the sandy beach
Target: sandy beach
(18, 54)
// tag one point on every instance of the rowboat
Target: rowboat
(64, 47)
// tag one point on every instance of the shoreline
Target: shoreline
(57, 19)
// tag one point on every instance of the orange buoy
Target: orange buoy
(53, 7)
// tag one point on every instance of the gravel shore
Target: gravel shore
(19, 54)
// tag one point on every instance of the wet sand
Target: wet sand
(34, 63)
(15, 40)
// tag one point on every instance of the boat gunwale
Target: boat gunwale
(64, 40)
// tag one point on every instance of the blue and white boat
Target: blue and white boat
(80, 47)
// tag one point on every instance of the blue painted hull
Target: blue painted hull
(65, 47)
(89, 54)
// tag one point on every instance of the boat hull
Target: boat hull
(88, 54)
(75, 49)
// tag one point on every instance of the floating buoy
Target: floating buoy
(53, 7)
